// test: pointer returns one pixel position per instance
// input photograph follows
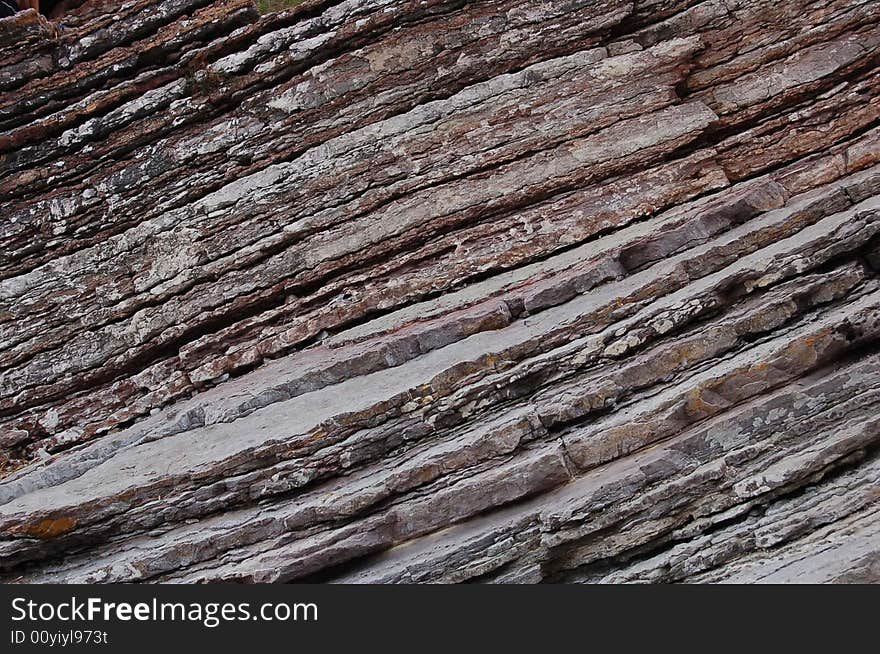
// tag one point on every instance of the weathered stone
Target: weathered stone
(441, 291)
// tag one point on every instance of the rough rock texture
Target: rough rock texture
(410, 291)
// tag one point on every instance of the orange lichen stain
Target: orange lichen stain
(311, 438)
(47, 527)
(696, 406)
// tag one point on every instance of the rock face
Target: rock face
(440, 291)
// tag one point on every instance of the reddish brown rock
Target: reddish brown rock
(562, 291)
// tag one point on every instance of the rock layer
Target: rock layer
(441, 291)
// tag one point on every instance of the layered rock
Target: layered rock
(378, 290)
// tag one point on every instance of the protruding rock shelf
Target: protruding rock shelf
(441, 291)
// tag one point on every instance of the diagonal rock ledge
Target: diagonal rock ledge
(392, 291)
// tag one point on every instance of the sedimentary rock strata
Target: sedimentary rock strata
(441, 291)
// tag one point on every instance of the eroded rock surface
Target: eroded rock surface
(441, 291)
